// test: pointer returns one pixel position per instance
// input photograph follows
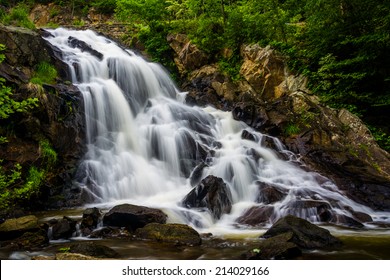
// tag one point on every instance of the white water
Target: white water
(143, 144)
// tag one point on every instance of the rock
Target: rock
(13, 228)
(76, 43)
(25, 49)
(256, 215)
(110, 232)
(263, 68)
(346, 220)
(269, 193)
(63, 229)
(94, 250)
(278, 247)
(74, 256)
(251, 114)
(178, 234)
(247, 135)
(211, 194)
(133, 216)
(304, 234)
(90, 220)
(188, 56)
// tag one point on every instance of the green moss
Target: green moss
(48, 153)
(18, 16)
(45, 73)
(291, 129)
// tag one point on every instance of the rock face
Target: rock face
(188, 56)
(59, 112)
(171, 233)
(303, 233)
(133, 216)
(211, 194)
(269, 98)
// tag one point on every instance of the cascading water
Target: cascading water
(146, 147)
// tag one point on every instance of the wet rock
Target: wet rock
(94, 250)
(304, 234)
(247, 135)
(251, 114)
(91, 218)
(178, 234)
(133, 216)
(211, 194)
(110, 232)
(269, 193)
(76, 43)
(278, 247)
(322, 208)
(347, 221)
(255, 216)
(13, 228)
(196, 174)
(63, 229)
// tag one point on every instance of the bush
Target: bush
(18, 16)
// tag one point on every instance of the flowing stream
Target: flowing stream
(147, 147)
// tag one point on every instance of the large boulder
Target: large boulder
(178, 234)
(63, 229)
(211, 194)
(303, 233)
(278, 247)
(133, 216)
(90, 220)
(13, 228)
(93, 249)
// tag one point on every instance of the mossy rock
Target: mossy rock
(171, 233)
(14, 228)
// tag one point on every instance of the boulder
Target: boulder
(277, 247)
(303, 233)
(94, 250)
(178, 234)
(252, 114)
(211, 194)
(256, 215)
(28, 241)
(13, 228)
(91, 218)
(269, 193)
(132, 216)
(63, 229)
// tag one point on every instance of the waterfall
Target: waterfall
(147, 147)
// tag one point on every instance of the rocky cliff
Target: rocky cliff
(57, 121)
(274, 101)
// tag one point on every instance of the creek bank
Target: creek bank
(289, 238)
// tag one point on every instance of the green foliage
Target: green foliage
(18, 16)
(104, 6)
(48, 153)
(231, 66)
(291, 129)
(44, 73)
(381, 137)
(32, 185)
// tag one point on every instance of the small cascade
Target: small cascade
(146, 147)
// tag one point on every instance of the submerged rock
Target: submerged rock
(304, 234)
(133, 216)
(211, 194)
(171, 233)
